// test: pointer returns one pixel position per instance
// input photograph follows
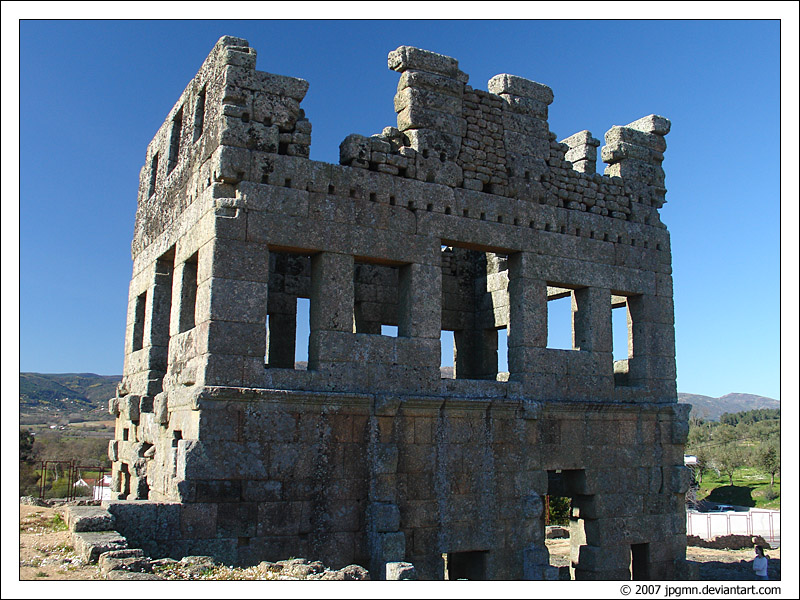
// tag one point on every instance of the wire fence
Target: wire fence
(64, 479)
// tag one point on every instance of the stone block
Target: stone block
(237, 520)
(623, 150)
(279, 85)
(274, 110)
(198, 521)
(389, 547)
(532, 506)
(581, 139)
(408, 57)
(89, 518)
(113, 450)
(89, 545)
(524, 106)
(679, 478)
(400, 571)
(427, 99)
(134, 519)
(435, 142)
(131, 560)
(354, 148)
(635, 137)
(430, 81)
(250, 305)
(122, 575)
(384, 459)
(652, 124)
(332, 292)
(129, 407)
(519, 86)
(521, 143)
(526, 125)
(418, 117)
(596, 558)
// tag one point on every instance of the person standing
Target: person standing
(760, 564)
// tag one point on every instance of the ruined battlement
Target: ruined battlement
(497, 142)
(467, 217)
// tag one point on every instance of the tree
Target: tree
(703, 460)
(28, 475)
(724, 434)
(769, 459)
(727, 458)
(26, 440)
(560, 508)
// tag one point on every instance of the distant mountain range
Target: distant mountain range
(72, 392)
(710, 409)
(65, 391)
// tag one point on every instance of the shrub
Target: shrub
(57, 523)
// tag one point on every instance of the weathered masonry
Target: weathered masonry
(468, 217)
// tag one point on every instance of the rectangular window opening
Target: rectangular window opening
(288, 311)
(502, 354)
(561, 506)
(138, 322)
(199, 115)
(475, 306)
(559, 318)
(389, 330)
(640, 562)
(447, 368)
(186, 320)
(622, 338)
(459, 566)
(153, 175)
(302, 330)
(175, 139)
(125, 480)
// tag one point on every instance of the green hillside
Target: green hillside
(65, 391)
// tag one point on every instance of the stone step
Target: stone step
(89, 518)
(91, 544)
(132, 559)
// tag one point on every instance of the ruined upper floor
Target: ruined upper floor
(496, 142)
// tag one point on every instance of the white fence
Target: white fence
(766, 523)
(101, 492)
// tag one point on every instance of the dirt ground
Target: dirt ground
(45, 547)
(713, 565)
(46, 553)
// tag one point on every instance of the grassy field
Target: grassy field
(750, 488)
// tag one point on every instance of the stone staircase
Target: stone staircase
(96, 541)
(93, 533)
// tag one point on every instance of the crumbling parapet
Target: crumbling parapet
(582, 151)
(635, 152)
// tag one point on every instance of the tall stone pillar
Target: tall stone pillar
(527, 327)
(331, 310)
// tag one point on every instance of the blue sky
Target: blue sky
(93, 93)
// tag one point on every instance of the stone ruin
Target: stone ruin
(468, 217)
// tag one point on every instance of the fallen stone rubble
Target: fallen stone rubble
(131, 564)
